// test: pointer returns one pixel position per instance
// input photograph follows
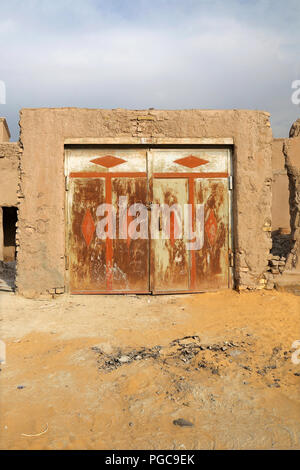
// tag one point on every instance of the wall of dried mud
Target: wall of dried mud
(280, 188)
(41, 263)
(4, 131)
(9, 162)
(292, 158)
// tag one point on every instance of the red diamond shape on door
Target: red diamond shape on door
(88, 227)
(191, 161)
(211, 228)
(108, 161)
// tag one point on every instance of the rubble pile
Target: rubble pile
(281, 248)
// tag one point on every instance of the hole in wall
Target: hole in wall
(9, 220)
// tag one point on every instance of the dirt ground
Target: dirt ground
(116, 372)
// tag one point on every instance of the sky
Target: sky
(165, 54)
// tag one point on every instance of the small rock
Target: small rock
(270, 285)
(20, 387)
(297, 374)
(124, 359)
(182, 422)
(235, 353)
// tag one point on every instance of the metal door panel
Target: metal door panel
(101, 160)
(170, 259)
(204, 174)
(130, 262)
(96, 177)
(189, 161)
(87, 264)
(212, 261)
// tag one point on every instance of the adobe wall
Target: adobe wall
(41, 265)
(9, 162)
(4, 131)
(280, 188)
(292, 157)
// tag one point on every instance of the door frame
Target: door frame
(152, 144)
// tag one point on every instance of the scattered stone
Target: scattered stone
(182, 422)
(235, 353)
(297, 374)
(274, 262)
(124, 359)
(20, 387)
(181, 351)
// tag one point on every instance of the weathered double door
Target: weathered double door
(144, 221)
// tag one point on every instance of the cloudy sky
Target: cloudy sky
(211, 54)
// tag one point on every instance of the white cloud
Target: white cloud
(82, 54)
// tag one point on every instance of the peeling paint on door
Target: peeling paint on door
(170, 179)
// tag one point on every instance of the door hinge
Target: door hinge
(230, 183)
(66, 183)
(231, 258)
(67, 262)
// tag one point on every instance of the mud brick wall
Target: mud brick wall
(9, 164)
(280, 188)
(4, 131)
(41, 264)
(292, 157)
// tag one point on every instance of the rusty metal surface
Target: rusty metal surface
(169, 257)
(211, 262)
(129, 265)
(191, 160)
(86, 252)
(93, 160)
(130, 256)
(203, 174)
(99, 176)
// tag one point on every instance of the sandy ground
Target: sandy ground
(115, 372)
